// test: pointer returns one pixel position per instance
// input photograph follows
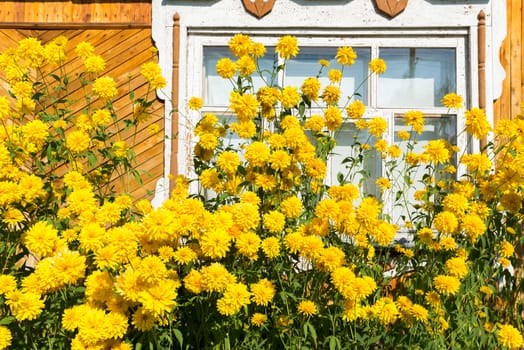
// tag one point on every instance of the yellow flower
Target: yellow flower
(24, 306)
(143, 320)
(377, 126)
(447, 285)
(94, 64)
(386, 311)
(455, 203)
(153, 75)
(510, 337)
(160, 298)
(506, 249)
(331, 258)
(419, 312)
(335, 75)
(445, 222)
(473, 226)
(437, 151)
(7, 284)
(307, 308)
(235, 297)
(290, 97)
(257, 154)
(78, 141)
(257, 49)
(84, 49)
(331, 94)
(215, 243)
(105, 88)
(245, 106)
(274, 221)
(383, 183)
(258, 319)
(333, 117)
(262, 292)
(271, 247)
(346, 56)
(477, 123)
(226, 68)
(511, 202)
(457, 267)
(195, 103)
(447, 243)
(433, 299)
(248, 244)
(5, 108)
(41, 238)
(504, 262)
(5, 337)
(287, 47)
(120, 148)
(356, 109)
(316, 168)
(323, 63)
(403, 135)
(452, 100)
(486, 290)
(377, 66)
(415, 119)
(310, 88)
(240, 44)
(246, 65)
(215, 278)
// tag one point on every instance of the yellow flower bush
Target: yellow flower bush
(259, 252)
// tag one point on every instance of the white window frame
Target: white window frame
(454, 38)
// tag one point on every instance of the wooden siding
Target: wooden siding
(508, 105)
(76, 12)
(124, 50)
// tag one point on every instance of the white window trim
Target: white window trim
(198, 39)
(421, 17)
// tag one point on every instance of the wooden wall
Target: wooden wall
(121, 34)
(508, 105)
(76, 12)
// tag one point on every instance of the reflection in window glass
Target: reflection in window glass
(306, 64)
(416, 77)
(217, 89)
(434, 128)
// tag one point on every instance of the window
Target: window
(421, 70)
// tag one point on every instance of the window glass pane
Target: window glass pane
(306, 65)
(434, 128)
(345, 160)
(416, 77)
(217, 89)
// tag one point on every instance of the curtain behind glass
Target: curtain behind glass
(416, 77)
(306, 65)
(217, 89)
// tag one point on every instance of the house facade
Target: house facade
(431, 48)
(479, 41)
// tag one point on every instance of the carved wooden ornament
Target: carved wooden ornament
(258, 8)
(391, 7)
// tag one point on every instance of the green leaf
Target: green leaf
(334, 343)
(179, 337)
(313, 332)
(7, 320)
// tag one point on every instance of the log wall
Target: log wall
(121, 34)
(508, 105)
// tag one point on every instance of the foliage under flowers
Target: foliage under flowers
(259, 252)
